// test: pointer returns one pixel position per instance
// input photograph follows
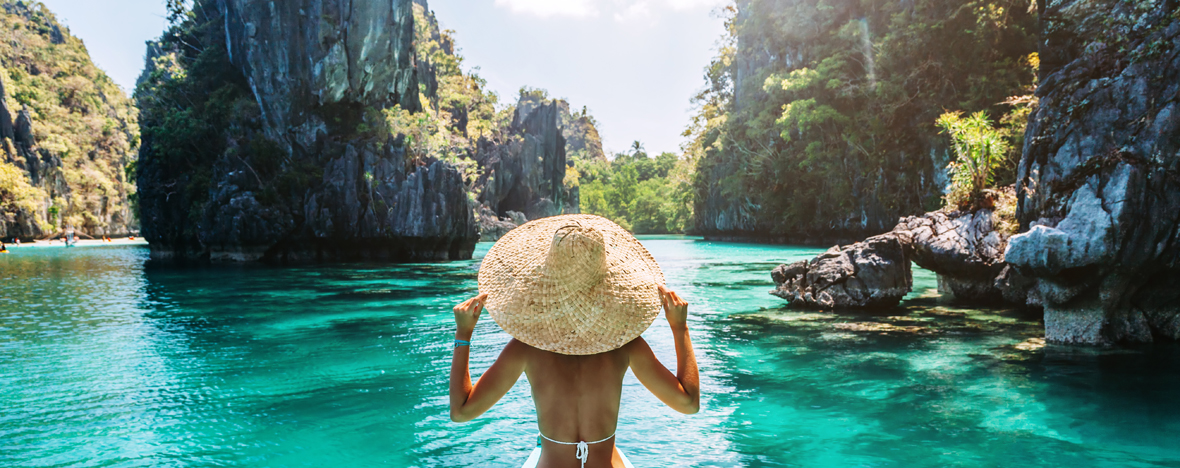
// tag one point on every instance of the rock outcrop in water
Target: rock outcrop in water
(522, 170)
(1099, 181)
(872, 273)
(300, 168)
(966, 250)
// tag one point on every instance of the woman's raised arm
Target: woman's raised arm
(469, 401)
(681, 392)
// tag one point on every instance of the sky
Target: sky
(635, 64)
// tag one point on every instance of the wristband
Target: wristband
(459, 343)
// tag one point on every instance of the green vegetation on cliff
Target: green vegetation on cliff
(69, 132)
(819, 116)
(190, 99)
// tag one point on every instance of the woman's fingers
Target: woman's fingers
(472, 305)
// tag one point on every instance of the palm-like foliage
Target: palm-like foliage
(980, 149)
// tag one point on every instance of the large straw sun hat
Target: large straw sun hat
(571, 284)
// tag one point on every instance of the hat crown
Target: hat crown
(577, 256)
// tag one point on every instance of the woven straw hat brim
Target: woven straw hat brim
(566, 315)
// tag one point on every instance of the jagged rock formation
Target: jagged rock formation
(578, 128)
(522, 170)
(303, 169)
(67, 133)
(310, 62)
(525, 171)
(1099, 182)
(966, 250)
(872, 273)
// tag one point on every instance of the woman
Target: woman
(575, 292)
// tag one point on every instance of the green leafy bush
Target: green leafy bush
(16, 196)
(979, 149)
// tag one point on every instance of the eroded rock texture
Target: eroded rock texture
(524, 170)
(872, 273)
(1099, 182)
(966, 250)
(308, 61)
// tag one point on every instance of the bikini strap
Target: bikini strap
(583, 451)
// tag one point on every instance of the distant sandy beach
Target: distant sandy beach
(80, 243)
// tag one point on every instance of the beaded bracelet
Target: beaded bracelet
(459, 343)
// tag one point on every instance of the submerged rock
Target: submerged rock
(872, 273)
(1099, 191)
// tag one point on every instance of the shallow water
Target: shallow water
(106, 362)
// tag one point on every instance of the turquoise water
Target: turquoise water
(106, 362)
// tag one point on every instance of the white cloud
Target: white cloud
(624, 10)
(544, 8)
(634, 11)
(681, 5)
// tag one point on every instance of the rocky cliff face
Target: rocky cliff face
(67, 133)
(818, 123)
(523, 167)
(1100, 176)
(309, 62)
(524, 172)
(302, 167)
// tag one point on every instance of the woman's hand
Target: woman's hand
(675, 308)
(467, 315)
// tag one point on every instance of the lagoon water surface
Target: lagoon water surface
(107, 362)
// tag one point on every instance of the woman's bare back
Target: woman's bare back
(577, 399)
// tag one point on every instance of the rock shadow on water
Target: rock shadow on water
(735, 285)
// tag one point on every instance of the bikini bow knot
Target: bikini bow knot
(583, 453)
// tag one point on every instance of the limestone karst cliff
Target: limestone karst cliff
(68, 134)
(1099, 182)
(817, 122)
(320, 130)
(295, 161)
